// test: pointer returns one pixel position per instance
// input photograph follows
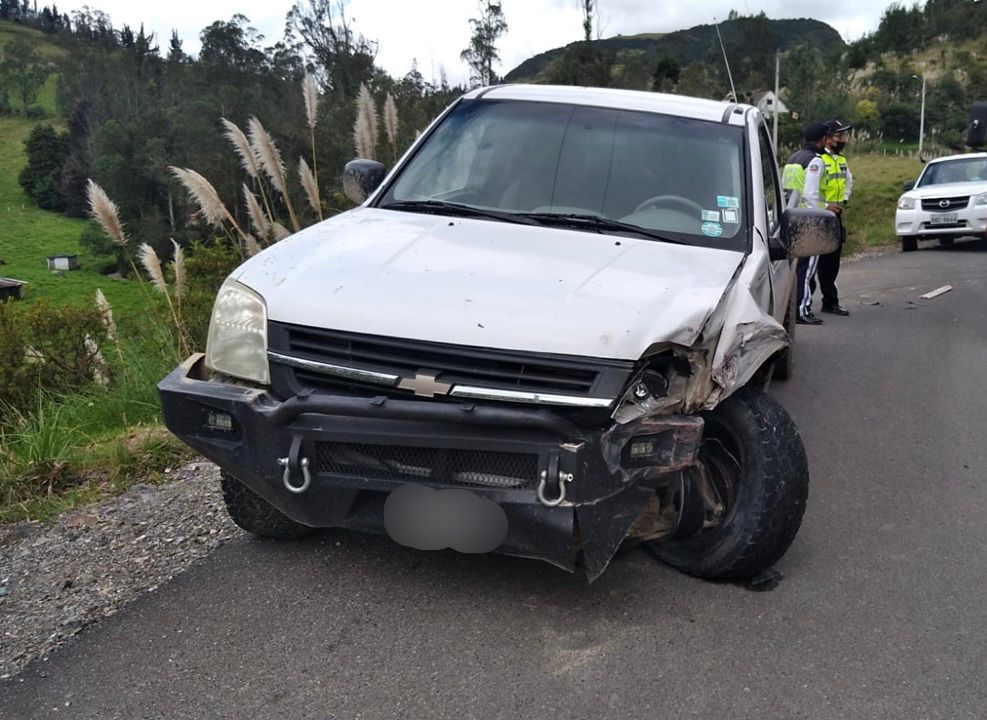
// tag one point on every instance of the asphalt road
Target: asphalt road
(882, 612)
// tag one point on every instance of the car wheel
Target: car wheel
(785, 360)
(756, 467)
(946, 242)
(255, 515)
(909, 244)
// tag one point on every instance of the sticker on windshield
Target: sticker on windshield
(731, 215)
(725, 201)
(711, 215)
(712, 229)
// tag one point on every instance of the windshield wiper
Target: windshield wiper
(598, 223)
(441, 207)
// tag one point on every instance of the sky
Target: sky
(434, 32)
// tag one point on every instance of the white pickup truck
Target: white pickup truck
(546, 330)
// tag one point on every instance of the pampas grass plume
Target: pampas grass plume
(280, 231)
(252, 245)
(106, 213)
(365, 130)
(106, 315)
(311, 186)
(311, 95)
(204, 195)
(149, 259)
(268, 154)
(391, 120)
(242, 146)
(262, 226)
(179, 267)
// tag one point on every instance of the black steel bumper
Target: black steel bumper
(246, 431)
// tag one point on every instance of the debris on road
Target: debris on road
(937, 292)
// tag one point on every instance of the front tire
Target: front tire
(909, 243)
(946, 242)
(753, 455)
(255, 515)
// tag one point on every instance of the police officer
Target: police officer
(835, 188)
(793, 183)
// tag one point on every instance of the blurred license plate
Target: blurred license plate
(943, 219)
(428, 519)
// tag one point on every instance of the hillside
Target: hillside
(696, 44)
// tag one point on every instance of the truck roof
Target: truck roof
(678, 105)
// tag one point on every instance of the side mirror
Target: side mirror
(907, 185)
(361, 178)
(808, 232)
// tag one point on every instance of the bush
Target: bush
(56, 348)
(207, 267)
(35, 112)
(46, 153)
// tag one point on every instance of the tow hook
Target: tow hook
(552, 482)
(294, 461)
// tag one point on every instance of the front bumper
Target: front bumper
(245, 430)
(970, 220)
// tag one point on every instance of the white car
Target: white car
(948, 201)
(547, 330)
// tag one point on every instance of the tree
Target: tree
(345, 57)
(23, 70)
(587, 8)
(666, 75)
(46, 152)
(482, 52)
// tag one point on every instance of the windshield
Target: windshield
(677, 178)
(953, 171)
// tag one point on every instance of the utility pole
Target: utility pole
(921, 117)
(774, 129)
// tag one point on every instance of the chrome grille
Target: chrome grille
(945, 204)
(371, 356)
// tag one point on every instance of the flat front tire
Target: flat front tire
(755, 461)
(255, 515)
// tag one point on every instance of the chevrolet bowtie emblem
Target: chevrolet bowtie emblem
(423, 384)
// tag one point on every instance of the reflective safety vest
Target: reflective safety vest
(793, 175)
(832, 184)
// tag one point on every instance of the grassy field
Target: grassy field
(28, 235)
(877, 183)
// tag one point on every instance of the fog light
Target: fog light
(642, 448)
(219, 421)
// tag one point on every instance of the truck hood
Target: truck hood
(491, 284)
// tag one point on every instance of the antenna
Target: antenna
(733, 90)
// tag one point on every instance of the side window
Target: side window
(772, 198)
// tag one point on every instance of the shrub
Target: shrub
(46, 153)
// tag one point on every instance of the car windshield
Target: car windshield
(678, 179)
(952, 171)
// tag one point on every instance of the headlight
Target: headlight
(980, 199)
(237, 343)
(906, 203)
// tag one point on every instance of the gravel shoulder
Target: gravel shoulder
(84, 565)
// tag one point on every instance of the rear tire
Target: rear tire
(754, 457)
(909, 243)
(255, 515)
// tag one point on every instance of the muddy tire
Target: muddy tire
(754, 456)
(909, 244)
(255, 515)
(784, 367)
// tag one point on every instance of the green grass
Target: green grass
(877, 181)
(73, 449)
(29, 235)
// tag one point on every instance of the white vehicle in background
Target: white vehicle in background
(948, 201)
(548, 329)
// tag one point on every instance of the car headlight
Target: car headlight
(237, 343)
(980, 199)
(906, 203)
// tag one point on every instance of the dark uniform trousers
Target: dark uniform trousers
(829, 268)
